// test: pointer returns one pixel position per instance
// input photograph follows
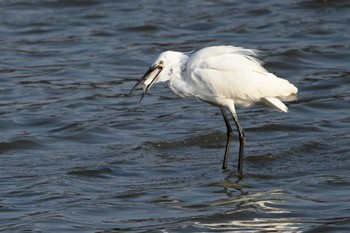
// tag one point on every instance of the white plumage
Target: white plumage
(224, 76)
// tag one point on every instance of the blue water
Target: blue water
(78, 155)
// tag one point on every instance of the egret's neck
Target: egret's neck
(178, 67)
(177, 76)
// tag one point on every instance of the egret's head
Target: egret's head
(161, 70)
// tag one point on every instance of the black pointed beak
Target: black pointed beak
(144, 77)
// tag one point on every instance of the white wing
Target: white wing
(211, 56)
(225, 72)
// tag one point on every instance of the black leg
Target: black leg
(229, 137)
(242, 140)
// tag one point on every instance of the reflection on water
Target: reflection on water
(264, 207)
(78, 155)
(257, 225)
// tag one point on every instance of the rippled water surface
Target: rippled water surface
(77, 155)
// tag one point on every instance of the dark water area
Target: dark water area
(77, 155)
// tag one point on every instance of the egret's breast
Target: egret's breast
(180, 88)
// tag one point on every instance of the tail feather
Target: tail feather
(275, 103)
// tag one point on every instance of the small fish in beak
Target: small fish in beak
(148, 79)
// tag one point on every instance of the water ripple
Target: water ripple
(79, 155)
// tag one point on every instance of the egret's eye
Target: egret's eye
(161, 63)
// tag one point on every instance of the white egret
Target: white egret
(223, 76)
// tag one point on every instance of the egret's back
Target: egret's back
(225, 72)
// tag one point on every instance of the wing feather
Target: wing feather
(226, 72)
